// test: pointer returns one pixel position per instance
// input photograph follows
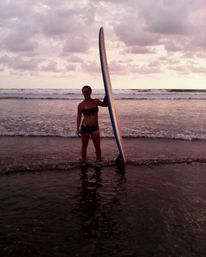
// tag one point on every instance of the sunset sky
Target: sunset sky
(150, 43)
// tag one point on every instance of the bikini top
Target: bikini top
(90, 110)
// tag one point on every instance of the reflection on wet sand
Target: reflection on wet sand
(146, 211)
(95, 205)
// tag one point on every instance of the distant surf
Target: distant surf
(169, 114)
(75, 94)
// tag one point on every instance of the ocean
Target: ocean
(172, 114)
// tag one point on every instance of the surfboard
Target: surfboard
(111, 103)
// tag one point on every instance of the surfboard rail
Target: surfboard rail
(111, 103)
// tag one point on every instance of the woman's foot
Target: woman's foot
(99, 163)
(83, 162)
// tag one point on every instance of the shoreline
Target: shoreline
(108, 137)
(18, 153)
(145, 211)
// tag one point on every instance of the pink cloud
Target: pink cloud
(200, 40)
(179, 69)
(135, 36)
(21, 64)
(35, 32)
(14, 43)
(13, 9)
(172, 46)
(91, 67)
(198, 69)
(71, 67)
(51, 66)
(117, 68)
(141, 50)
(144, 69)
(55, 22)
(21, 37)
(76, 45)
(174, 24)
(75, 59)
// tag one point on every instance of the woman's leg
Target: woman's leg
(85, 141)
(96, 141)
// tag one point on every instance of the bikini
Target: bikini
(89, 129)
(90, 110)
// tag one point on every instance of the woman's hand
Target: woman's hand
(78, 132)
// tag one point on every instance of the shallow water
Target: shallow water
(185, 119)
(145, 211)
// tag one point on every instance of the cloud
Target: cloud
(51, 66)
(188, 69)
(117, 68)
(166, 17)
(71, 67)
(172, 46)
(155, 22)
(200, 41)
(62, 36)
(198, 69)
(168, 59)
(51, 18)
(135, 36)
(21, 64)
(91, 67)
(75, 59)
(12, 9)
(18, 29)
(19, 42)
(45, 29)
(141, 50)
(57, 21)
(179, 69)
(144, 69)
(76, 45)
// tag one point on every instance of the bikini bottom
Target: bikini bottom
(88, 129)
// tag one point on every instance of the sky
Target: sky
(151, 44)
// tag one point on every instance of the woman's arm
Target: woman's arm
(103, 103)
(79, 116)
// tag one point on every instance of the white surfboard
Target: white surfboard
(110, 98)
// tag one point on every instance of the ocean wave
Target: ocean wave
(73, 135)
(9, 169)
(40, 97)
(119, 94)
(136, 97)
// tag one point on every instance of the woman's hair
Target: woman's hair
(87, 87)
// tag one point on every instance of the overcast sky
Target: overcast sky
(150, 43)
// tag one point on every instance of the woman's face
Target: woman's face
(86, 93)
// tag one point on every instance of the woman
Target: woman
(89, 123)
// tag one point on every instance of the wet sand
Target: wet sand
(21, 152)
(155, 208)
(154, 211)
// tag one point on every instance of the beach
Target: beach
(50, 206)
(53, 206)
(33, 153)
(130, 74)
